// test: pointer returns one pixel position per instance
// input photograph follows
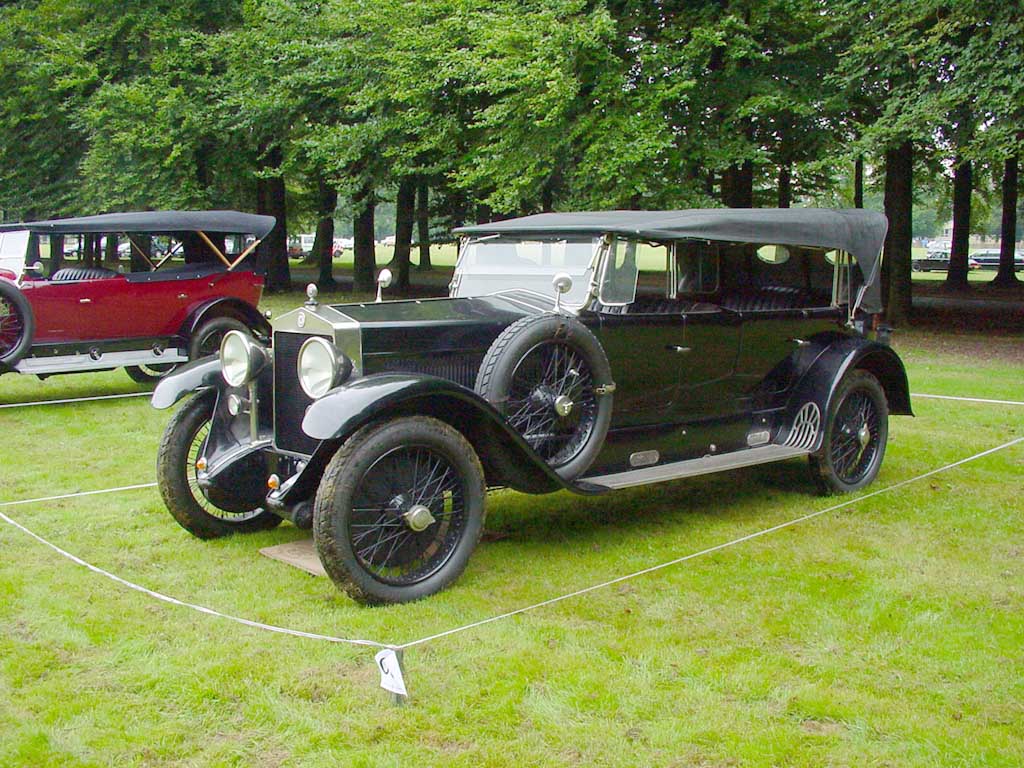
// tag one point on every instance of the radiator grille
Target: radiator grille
(290, 402)
(460, 367)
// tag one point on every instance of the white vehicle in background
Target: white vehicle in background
(342, 244)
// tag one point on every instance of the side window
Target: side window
(618, 279)
(696, 267)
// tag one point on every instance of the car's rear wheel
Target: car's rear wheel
(399, 510)
(208, 336)
(17, 324)
(148, 374)
(177, 477)
(551, 379)
(856, 433)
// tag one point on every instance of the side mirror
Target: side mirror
(562, 283)
(37, 267)
(383, 281)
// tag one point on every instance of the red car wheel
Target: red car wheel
(17, 324)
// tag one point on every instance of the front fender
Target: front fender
(199, 374)
(227, 306)
(341, 412)
(819, 383)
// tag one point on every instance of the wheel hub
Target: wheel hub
(418, 518)
(563, 405)
(864, 436)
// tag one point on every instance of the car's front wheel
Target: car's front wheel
(149, 374)
(208, 336)
(399, 510)
(177, 477)
(856, 433)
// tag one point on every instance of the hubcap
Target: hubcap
(418, 518)
(563, 405)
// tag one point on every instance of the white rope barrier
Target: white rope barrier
(75, 400)
(76, 495)
(968, 399)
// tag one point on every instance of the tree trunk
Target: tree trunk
(56, 253)
(738, 185)
(423, 224)
(1005, 277)
(110, 250)
(899, 201)
(957, 276)
(365, 257)
(785, 186)
(89, 251)
(143, 243)
(858, 182)
(274, 248)
(405, 208)
(323, 245)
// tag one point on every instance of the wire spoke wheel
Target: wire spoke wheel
(408, 513)
(551, 401)
(399, 510)
(12, 326)
(195, 449)
(855, 436)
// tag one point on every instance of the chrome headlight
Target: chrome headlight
(241, 358)
(321, 367)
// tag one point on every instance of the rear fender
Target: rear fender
(199, 374)
(819, 383)
(227, 306)
(337, 415)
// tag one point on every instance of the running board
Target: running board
(693, 467)
(86, 362)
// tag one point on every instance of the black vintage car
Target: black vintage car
(580, 351)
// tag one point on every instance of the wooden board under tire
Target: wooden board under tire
(300, 554)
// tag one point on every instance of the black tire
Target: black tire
(533, 363)
(372, 486)
(175, 472)
(208, 336)
(856, 432)
(149, 374)
(17, 324)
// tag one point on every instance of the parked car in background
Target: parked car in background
(89, 318)
(342, 244)
(938, 261)
(989, 260)
(581, 351)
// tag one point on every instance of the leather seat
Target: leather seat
(71, 274)
(768, 298)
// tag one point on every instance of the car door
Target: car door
(707, 363)
(644, 350)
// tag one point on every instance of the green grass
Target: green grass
(886, 633)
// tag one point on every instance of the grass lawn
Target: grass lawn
(890, 632)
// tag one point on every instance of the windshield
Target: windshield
(500, 263)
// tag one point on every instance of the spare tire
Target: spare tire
(551, 379)
(17, 324)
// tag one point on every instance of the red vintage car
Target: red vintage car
(89, 318)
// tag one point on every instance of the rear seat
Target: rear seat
(770, 297)
(71, 274)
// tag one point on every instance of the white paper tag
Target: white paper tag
(390, 672)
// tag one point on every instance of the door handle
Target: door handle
(680, 350)
(801, 342)
(85, 301)
(182, 296)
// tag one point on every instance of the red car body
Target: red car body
(126, 307)
(85, 318)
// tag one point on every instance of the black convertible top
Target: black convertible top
(153, 222)
(859, 232)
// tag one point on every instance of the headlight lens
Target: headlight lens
(241, 358)
(321, 367)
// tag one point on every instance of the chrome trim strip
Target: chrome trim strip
(693, 467)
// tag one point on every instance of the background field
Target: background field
(888, 633)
